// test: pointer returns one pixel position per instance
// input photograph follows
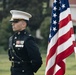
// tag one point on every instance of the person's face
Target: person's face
(17, 26)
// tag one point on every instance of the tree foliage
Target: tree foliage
(34, 7)
(5, 32)
(44, 28)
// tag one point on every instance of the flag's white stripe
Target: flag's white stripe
(58, 67)
(63, 30)
(64, 14)
(52, 43)
(50, 63)
(73, 37)
(64, 46)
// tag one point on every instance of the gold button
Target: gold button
(18, 33)
(13, 43)
(24, 32)
(18, 48)
(22, 61)
(12, 57)
(23, 70)
(15, 38)
(18, 62)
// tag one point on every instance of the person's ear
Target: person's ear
(24, 24)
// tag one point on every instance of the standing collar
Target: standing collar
(21, 32)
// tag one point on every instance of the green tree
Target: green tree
(38, 8)
(34, 7)
(44, 28)
(5, 32)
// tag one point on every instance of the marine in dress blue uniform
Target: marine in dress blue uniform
(23, 51)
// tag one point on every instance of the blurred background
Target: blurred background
(38, 26)
(39, 23)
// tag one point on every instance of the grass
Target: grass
(70, 65)
(4, 65)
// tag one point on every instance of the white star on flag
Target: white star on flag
(54, 22)
(63, 5)
(55, 1)
(54, 29)
(61, 38)
(55, 9)
(54, 15)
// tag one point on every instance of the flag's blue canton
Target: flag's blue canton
(58, 7)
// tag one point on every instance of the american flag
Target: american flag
(61, 38)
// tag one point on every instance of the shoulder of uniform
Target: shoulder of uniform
(30, 37)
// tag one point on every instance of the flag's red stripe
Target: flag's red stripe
(65, 53)
(62, 70)
(61, 24)
(59, 59)
(64, 22)
(61, 64)
(61, 40)
(72, 31)
(51, 70)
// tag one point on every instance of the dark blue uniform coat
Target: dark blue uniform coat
(24, 54)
